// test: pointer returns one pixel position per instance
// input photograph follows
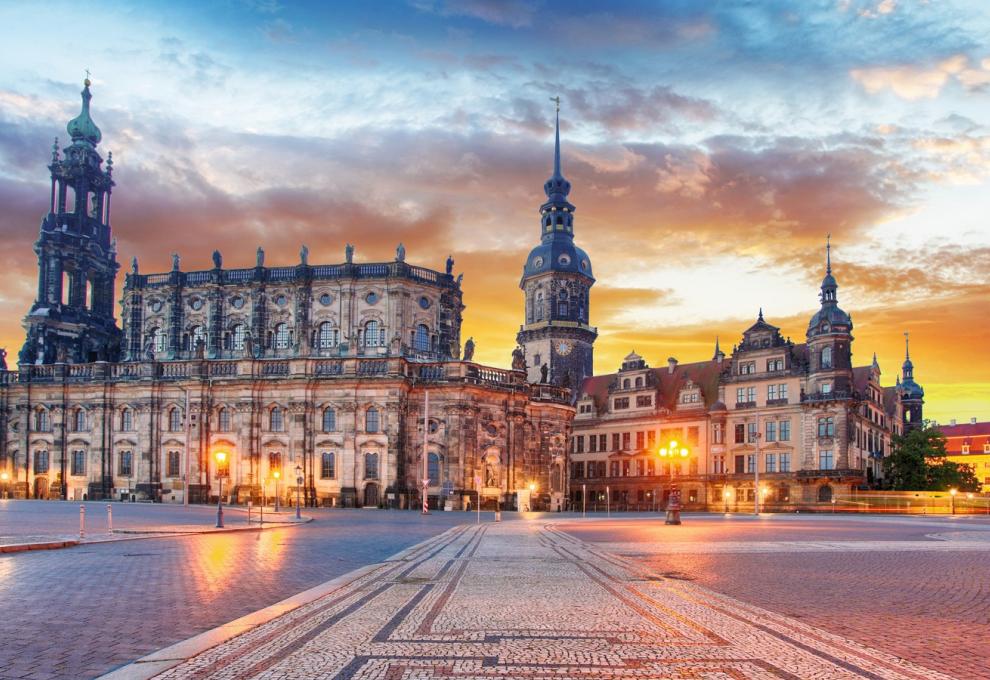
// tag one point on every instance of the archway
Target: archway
(825, 494)
(371, 495)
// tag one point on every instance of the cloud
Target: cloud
(910, 82)
(513, 13)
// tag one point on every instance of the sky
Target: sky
(711, 148)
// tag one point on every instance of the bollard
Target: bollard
(82, 521)
(109, 519)
(249, 513)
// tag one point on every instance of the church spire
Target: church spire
(556, 145)
(82, 129)
(557, 212)
(829, 284)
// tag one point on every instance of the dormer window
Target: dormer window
(965, 448)
(747, 368)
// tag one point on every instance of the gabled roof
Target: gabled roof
(704, 374)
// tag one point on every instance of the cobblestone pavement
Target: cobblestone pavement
(79, 612)
(926, 599)
(524, 600)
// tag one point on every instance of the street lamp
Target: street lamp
(727, 495)
(221, 459)
(276, 474)
(299, 481)
(674, 499)
(4, 477)
(532, 490)
(952, 499)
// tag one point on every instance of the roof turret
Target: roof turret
(82, 129)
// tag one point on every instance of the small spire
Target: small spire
(109, 163)
(828, 253)
(760, 318)
(556, 147)
(876, 364)
(907, 347)
(55, 151)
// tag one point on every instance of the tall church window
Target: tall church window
(275, 461)
(223, 419)
(562, 304)
(326, 336)
(827, 357)
(89, 295)
(538, 312)
(328, 465)
(66, 287)
(42, 423)
(371, 466)
(329, 420)
(237, 334)
(79, 420)
(126, 420)
(78, 463)
(158, 339)
(282, 336)
(371, 420)
(276, 422)
(421, 340)
(374, 334)
(433, 469)
(198, 333)
(174, 419)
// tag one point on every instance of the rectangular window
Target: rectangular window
(603, 442)
(625, 441)
(651, 439)
(174, 462)
(751, 432)
(775, 365)
(40, 462)
(579, 440)
(274, 461)
(328, 467)
(782, 389)
(615, 441)
(826, 388)
(740, 434)
(613, 469)
(593, 443)
(747, 368)
(751, 394)
(740, 394)
(644, 400)
(718, 433)
(825, 460)
(78, 463)
(785, 462)
(640, 440)
(625, 468)
(718, 465)
(125, 464)
(739, 465)
(649, 467)
(785, 430)
(771, 431)
(620, 403)
(826, 428)
(750, 462)
(771, 392)
(771, 462)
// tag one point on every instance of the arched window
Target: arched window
(433, 469)
(275, 461)
(326, 336)
(174, 419)
(79, 420)
(126, 420)
(282, 337)
(538, 312)
(827, 357)
(374, 334)
(328, 465)
(329, 420)
(371, 466)
(198, 333)
(371, 423)
(237, 334)
(625, 384)
(41, 421)
(421, 340)
(275, 420)
(158, 340)
(825, 494)
(223, 419)
(639, 381)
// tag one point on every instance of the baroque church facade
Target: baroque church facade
(346, 378)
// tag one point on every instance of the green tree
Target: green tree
(917, 462)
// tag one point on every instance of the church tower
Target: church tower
(912, 394)
(830, 340)
(71, 320)
(557, 281)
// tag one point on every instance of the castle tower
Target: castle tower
(830, 339)
(557, 281)
(912, 394)
(72, 318)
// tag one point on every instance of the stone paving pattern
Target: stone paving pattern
(524, 600)
(79, 612)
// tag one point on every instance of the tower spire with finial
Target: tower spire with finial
(556, 145)
(828, 253)
(760, 317)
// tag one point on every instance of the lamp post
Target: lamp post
(674, 499)
(276, 474)
(4, 477)
(221, 458)
(727, 495)
(952, 500)
(299, 481)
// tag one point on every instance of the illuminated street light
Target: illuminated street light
(532, 490)
(727, 496)
(673, 500)
(276, 474)
(4, 477)
(299, 481)
(952, 499)
(221, 457)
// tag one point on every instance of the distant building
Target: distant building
(969, 444)
(321, 371)
(814, 423)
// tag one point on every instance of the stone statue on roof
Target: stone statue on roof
(450, 264)
(304, 255)
(400, 253)
(217, 259)
(349, 253)
(175, 262)
(518, 359)
(259, 257)
(469, 350)
(544, 371)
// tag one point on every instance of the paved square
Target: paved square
(526, 600)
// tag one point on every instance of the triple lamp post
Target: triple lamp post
(674, 499)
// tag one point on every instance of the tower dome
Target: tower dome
(82, 129)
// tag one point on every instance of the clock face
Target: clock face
(563, 347)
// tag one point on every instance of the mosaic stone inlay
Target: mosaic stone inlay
(523, 600)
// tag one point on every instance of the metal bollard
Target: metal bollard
(82, 521)
(109, 518)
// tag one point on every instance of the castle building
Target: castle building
(969, 444)
(556, 338)
(816, 426)
(347, 377)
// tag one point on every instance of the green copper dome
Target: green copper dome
(82, 128)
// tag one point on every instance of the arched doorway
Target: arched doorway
(41, 488)
(371, 495)
(825, 494)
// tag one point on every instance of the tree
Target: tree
(917, 462)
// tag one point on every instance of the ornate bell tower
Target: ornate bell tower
(557, 280)
(72, 321)
(912, 394)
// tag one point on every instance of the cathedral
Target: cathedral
(347, 380)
